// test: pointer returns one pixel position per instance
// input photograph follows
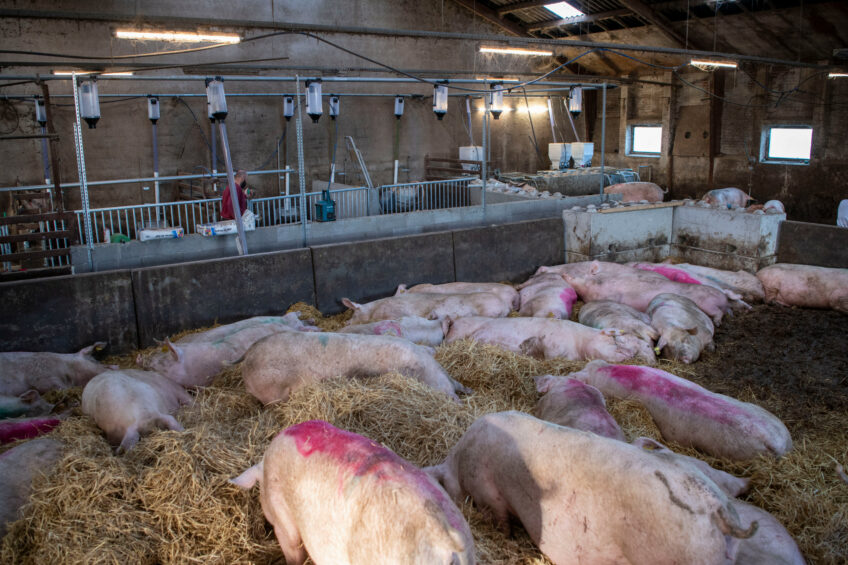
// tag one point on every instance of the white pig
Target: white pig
(807, 286)
(18, 467)
(43, 371)
(547, 338)
(692, 415)
(281, 363)
(727, 198)
(572, 403)
(413, 328)
(346, 500)
(684, 329)
(584, 498)
(504, 291)
(128, 403)
(606, 314)
(430, 306)
(746, 285)
(547, 295)
(770, 545)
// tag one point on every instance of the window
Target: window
(644, 140)
(788, 145)
(564, 10)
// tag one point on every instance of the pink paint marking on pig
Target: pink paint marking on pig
(388, 327)
(568, 297)
(672, 274)
(646, 380)
(360, 456)
(27, 429)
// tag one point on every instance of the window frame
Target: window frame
(765, 139)
(631, 134)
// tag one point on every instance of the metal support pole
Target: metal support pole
(603, 132)
(214, 158)
(89, 240)
(551, 114)
(156, 170)
(45, 157)
(301, 173)
(483, 171)
(231, 181)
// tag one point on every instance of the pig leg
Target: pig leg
(287, 533)
(168, 422)
(129, 440)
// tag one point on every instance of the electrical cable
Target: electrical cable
(533, 129)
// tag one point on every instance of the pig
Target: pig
(806, 286)
(21, 371)
(606, 314)
(726, 198)
(732, 485)
(546, 338)
(504, 291)
(746, 285)
(18, 467)
(196, 358)
(25, 428)
(279, 364)
(29, 403)
(572, 403)
(414, 328)
(673, 273)
(692, 415)
(636, 288)
(546, 296)
(770, 545)
(344, 499)
(775, 205)
(128, 403)
(636, 191)
(684, 329)
(430, 306)
(584, 498)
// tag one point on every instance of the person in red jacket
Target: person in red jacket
(227, 202)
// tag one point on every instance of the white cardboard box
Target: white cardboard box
(227, 227)
(147, 234)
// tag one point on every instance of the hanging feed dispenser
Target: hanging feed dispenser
(334, 106)
(216, 98)
(313, 100)
(288, 107)
(398, 106)
(153, 109)
(89, 102)
(496, 100)
(575, 101)
(440, 99)
(40, 112)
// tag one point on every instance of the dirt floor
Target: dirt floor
(168, 500)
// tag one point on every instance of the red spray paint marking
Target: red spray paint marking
(655, 383)
(358, 456)
(26, 429)
(388, 327)
(568, 297)
(672, 274)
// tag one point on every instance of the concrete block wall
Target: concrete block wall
(618, 234)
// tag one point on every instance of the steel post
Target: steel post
(603, 132)
(301, 173)
(155, 169)
(231, 182)
(483, 171)
(81, 170)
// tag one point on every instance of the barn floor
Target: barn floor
(168, 501)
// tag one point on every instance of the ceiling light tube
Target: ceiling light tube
(86, 73)
(704, 63)
(183, 36)
(837, 75)
(514, 51)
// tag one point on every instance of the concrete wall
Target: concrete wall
(813, 244)
(620, 235)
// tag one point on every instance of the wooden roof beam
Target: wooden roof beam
(576, 20)
(504, 10)
(491, 16)
(661, 22)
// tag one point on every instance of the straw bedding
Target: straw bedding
(168, 500)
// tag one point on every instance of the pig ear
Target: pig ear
(97, 346)
(544, 383)
(400, 289)
(595, 268)
(648, 444)
(351, 304)
(446, 324)
(692, 331)
(29, 396)
(662, 342)
(175, 351)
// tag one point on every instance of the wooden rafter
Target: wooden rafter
(504, 10)
(491, 16)
(662, 23)
(577, 20)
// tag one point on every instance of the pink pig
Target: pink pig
(807, 286)
(547, 295)
(572, 403)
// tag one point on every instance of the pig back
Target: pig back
(354, 501)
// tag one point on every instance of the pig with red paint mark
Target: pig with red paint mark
(726, 198)
(128, 403)
(432, 306)
(25, 428)
(572, 403)
(636, 191)
(196, 358)
(18, 467)
(546, 295)
(43, 371)
(344, 499)
(684, 329)
(636, 288)
(584, 498)
(606, 314)
(746, 285)
(503, 291)
(692, 415)
(414, 328)
(281, 363)
(673, 273)
(29, 403)
(806, 286)
(546, 338)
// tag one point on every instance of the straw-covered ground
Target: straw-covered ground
(168, 500)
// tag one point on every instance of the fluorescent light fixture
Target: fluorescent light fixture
(564, 10)
(183, 36)
(86, 73)
(837, 75)
(704, 63)
(514, 51)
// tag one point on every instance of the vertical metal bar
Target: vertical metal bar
(45, 159)
(301, 174)
(81, 170)
(214, 157)
(155, 168)
(231, 185)
(551, 114)
(484, 164)
(603, 132)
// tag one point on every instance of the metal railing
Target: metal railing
(279, 210)
(36, 244)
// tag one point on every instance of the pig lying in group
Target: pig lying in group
(546, 295)
(684, 329)
(414, 328)
(21, 371)
(503, 291)
(807, 286)
(433, 306)
(584, 498)
(346, 500)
